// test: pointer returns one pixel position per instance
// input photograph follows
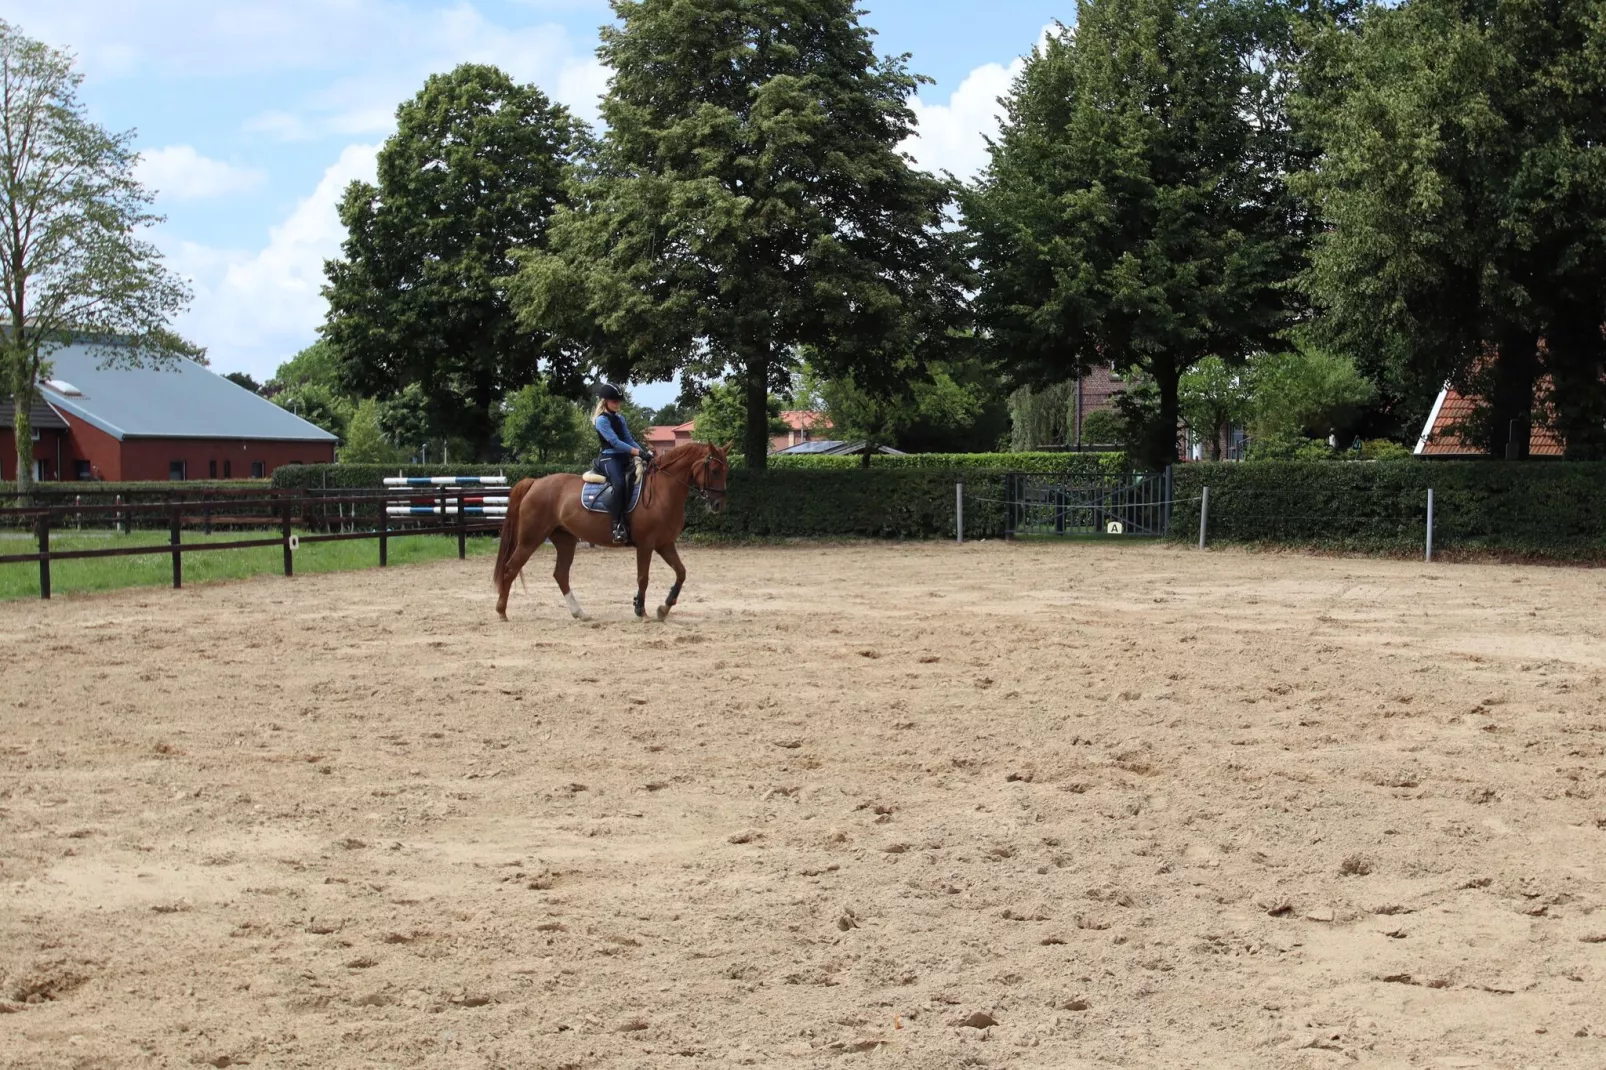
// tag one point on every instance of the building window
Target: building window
(175, 471)
(41, 471)
(211, 469)
(84, 471)
(228, 469)
(259, 470)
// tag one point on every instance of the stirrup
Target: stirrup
(621, 535)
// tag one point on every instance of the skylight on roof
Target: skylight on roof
(61, 386)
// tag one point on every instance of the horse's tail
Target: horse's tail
(510, 529)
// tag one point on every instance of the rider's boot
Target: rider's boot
(621, 533)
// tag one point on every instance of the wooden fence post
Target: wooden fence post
(289, 556)
(462, 528)
(44, 555)
(174, 530)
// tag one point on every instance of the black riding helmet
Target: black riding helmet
(608, 392)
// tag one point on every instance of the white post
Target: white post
(959, 512)
(1204, 516)
(1430, 524)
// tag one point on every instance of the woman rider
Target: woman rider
(617, 450)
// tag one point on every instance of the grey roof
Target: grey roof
(179, 400)
(834, 447)
(40, 415)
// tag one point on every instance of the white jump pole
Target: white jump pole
(1430, 524)
(959, 512)
(1204, 515)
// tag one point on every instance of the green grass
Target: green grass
(156, 570)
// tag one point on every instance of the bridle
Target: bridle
(705, 490)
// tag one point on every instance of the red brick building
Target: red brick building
(179, 422)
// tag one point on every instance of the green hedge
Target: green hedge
(65, 491)
(898, 503)
(1539, 509)
(1073, 465)
(373, 476)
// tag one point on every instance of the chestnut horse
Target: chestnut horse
(549, 508)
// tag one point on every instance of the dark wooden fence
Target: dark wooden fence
(331, 516)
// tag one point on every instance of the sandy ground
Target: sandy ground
(1139, 807)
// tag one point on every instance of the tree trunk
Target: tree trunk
(24, 434)
(1160, 438)
(1575, 357)
(1511, 396)
(1215, 442)
(756, 396)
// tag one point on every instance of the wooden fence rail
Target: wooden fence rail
(275, 509)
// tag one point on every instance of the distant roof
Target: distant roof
(804, 419)
(40, 415)
(179, 400)
(1441, 438)
(833, 447)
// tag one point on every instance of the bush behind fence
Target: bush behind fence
(1542, 509)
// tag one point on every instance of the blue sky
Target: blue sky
(253, 115)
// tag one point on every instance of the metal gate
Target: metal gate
(1134, 505)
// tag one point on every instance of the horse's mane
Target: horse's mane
(684, 452)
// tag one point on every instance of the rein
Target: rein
(703, 492)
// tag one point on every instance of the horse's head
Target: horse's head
(709, 476)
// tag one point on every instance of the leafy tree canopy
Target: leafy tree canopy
(541, 426)
(72, 263)
(1135, 210)
(476, 168)
(242, 379)
(750, 197)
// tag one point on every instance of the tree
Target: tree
(1461, 188)
(722, 416)
(1213, 396)
(541, 425)
(315, 365)
(934, 408)
(405, 419)
(750, 197)
(71, 266)
(244, 380)
(318, 405)
(673, 414)
(475, 168)
(1134, 211)
(365, 442)
(1306, 393)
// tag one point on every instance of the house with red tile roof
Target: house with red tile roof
(1441, 437)
(801, 426)
(661, 437)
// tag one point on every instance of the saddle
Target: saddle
(595, 491)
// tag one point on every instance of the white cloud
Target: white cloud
(371, 53)
(953, 136)
(253, 311)
(178, 172)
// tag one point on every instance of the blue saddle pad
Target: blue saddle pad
(590, 492)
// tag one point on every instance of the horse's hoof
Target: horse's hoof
(663, 612)
(503, 614)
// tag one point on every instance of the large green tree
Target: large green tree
(476, 167)
(1135, 210)
(1462, 179)
(72, 264)
(540, 425)
(751, 198)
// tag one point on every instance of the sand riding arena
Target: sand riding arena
(913, 805)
